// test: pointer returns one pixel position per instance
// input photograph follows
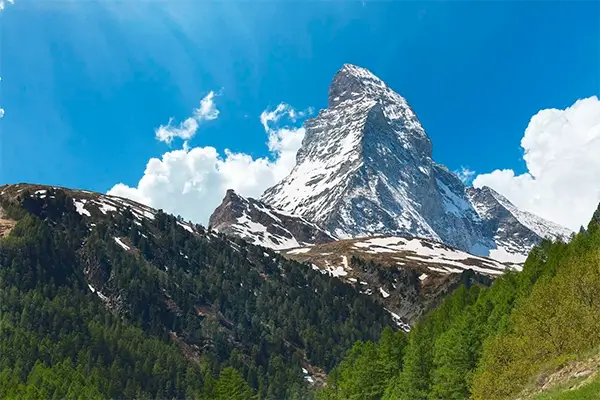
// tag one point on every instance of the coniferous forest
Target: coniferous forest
(175, 314)
(179, 315)
(489, 344)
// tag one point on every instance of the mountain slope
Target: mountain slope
(408, 275)
(262, 225)
(365, 168)
(514, 231)
(220, 301)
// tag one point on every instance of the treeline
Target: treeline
(491, 343)
(178, 315)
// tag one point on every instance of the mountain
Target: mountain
(365, 168)
(125, 301)
(260, 224)
(514, 231)
(410, 276)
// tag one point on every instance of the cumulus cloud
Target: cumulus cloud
(1, 112)
(562, 154)
(187, 129)
(191, 182)
(465, 174)
(3, 3)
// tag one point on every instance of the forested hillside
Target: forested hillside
(103, 298)
(489, 344)
(98, 302)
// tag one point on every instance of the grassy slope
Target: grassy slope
(590, 391)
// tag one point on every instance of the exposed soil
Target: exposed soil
(573, 375)
(6, 224)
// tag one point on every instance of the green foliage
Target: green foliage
(231, 386)
(59, 342)
(490, 343)
(560, 317)
(178, 315)
(366, 368)
(62, 381)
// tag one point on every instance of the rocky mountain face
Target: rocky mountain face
(260, 224)
(513, 231)
(365, 168)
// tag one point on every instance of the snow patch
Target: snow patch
(105, 207)
(97, 292)
(80, 207)
(299, 251)
(503, 255)
(120, 243)
(337, 271)
(401, 324)
(185, 226)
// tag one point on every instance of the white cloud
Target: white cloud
(207, 110)
(187, 129)
(1, 112)
(269, 118)
(562, 154)
(192, 181)
(3, 3)
(465, 174)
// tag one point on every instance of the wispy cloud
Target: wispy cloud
(465, 174)
(187, 129)
(283, 110)
(207, 110)
(4, 3)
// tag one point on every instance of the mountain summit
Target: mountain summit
(365, 168)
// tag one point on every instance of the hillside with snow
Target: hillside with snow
(407, 274)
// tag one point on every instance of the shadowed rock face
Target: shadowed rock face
(260, 224)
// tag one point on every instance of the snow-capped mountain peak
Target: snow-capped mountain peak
(365, 169)
(351, 82)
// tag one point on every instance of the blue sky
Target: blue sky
(86, 83)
